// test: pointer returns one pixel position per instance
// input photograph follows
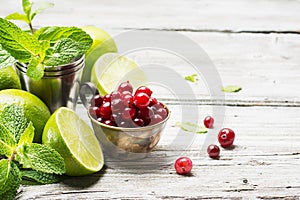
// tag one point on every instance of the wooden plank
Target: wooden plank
(264, 164)
(192, 15)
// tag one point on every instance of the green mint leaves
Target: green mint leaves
(21, 157)
(48, 46)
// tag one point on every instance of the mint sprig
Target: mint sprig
(48, 46)
(18, 153)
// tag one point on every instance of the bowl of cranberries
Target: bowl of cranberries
(127, 121)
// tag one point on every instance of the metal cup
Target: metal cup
(59, 85)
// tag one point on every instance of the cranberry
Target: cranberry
(127, 99)
(128, 113)
(107, 98)
(183, 165)
(208, 122)
(141, 100)
(143, 89)
(125, 86)
(162, 112)
(105, 110)
(117, 105)
(153, 101)
(155, 119)
(145, 114)
(100, 120)
(115, 95)
(97, 100)
(94, 112)
(109, 122)
(213, 151)
(226, 137)
(138, 121)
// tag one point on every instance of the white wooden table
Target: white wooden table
(253, 44)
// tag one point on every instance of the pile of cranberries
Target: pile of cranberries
(183, 165)
(123, 108)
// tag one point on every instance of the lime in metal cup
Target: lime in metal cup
(59, 86)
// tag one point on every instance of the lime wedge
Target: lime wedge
(75, 141)
(111, 69)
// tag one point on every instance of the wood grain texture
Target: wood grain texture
(254, 45)
(191, 15)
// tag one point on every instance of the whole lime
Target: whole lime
(102, 43)
(35, 110)
(9, 79)
(75, 141)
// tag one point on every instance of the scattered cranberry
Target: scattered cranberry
(226, 137)
(213, 151)
(183, 165)
(209, 122)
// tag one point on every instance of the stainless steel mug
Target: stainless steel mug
(59, 86)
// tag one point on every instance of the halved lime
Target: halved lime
(74, 139)
(111, 69)
(102, 43)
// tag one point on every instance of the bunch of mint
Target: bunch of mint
(48, 46)
(20, 159)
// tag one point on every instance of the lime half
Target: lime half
(75, 141)
(111, 69)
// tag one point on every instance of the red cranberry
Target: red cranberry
(143, 89)
(153, 101)
(128, 113)
(107, 98)
(97, 100)
(125, 86)
(213, 151)
(94, 112)
(117, 105)
(141, 100)
(183, 165)
(162, 112)
(109, 122)
(138, 121)
(226, 137)
(155, 119)
(208, 122)
(105, 110)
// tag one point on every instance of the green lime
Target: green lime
(35, 110)
(111, 69)
(102, 43)
(9, 79)
(74, 139)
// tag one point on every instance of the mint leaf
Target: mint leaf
(5, 58)
(190, 127)
(13, 118)
(41, 177)
(192, 78)
(28, 135)
(26, 7)
(41, 158)
(35, 70)
(63, 52)
(10, 179)
(7, 142)
(55, 33)
(21, 45)
(41, 7)
(231, 88)
(17, 16)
